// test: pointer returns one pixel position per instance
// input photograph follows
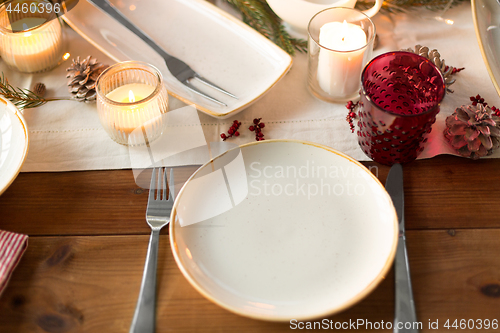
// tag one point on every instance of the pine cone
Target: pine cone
(40, 89)
(435, 58)
(82, 78)
(473, 131)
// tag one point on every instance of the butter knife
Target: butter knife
(405, 314)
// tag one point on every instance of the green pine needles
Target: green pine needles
(22, 98)
(258, 15)
(405, 5)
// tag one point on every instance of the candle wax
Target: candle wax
(342, 36)
(128, 92)
(26, 23)
(341, 61)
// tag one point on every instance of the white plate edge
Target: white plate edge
(19, 115)
(496, 84)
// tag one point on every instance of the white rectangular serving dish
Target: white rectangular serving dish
(215, 44)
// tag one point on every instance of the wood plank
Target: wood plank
(78, 203)
(441, 193)
(90, 284)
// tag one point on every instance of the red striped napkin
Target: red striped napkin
(12, 247)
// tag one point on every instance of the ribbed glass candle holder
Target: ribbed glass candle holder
(31, 40)
(131, 100)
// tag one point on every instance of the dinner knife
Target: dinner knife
(109, 9)
(405, 315)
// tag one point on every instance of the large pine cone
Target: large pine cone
(435, 58)
(82, 78)
(473, 131)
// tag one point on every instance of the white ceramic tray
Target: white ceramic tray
(281, 230)
(486, 16)
(13, 143)
(218, 46)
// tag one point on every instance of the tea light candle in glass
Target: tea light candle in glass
(32, 41)
(131, 100)
(340, 44)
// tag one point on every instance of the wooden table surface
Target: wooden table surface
(88, 239)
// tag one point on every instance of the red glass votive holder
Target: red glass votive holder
(400, 97)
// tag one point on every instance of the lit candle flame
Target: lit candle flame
(131, 97)
(25, 27)
(344, 29)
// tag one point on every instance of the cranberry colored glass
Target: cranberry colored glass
(400, 97)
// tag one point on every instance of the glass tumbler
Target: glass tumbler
(340, 44)
(31, 35)
(131, 100)
(400, 97)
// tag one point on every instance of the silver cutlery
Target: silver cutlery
(178, 68)
(157, 216)
(404, 304)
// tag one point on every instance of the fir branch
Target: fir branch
(22, 98)
(406, 5)
(258, 15)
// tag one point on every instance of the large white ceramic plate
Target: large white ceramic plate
(13, 143)
(486, 16)
(281, 230)
(215, 44)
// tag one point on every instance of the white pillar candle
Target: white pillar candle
(32, 44)
(341, 58)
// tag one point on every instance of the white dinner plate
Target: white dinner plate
(280, 230)
(13, 143)
(486, 16)
(218, 46)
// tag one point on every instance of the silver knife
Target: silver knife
(110, 10)
(405, 316)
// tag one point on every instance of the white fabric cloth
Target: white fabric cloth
(67, 135)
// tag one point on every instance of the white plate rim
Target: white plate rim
(231, 18)
(328, 312)
(481, 43)
(12, 108)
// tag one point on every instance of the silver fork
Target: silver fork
(177, 67)
(157, 216)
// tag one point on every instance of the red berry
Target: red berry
(257, 130)
(236, 133)
(235, 122)
(231, 131)
(256, 121)
(251, 128)
(223, 136)
(262, 125)
(260, 134)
